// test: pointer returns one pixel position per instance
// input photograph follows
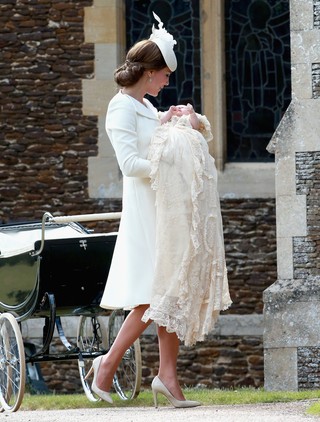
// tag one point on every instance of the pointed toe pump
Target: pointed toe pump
(158, 387)
(104, 395)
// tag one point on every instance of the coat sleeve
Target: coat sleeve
(121, 128)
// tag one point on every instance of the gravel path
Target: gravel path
(273, 412)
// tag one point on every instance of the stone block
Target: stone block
(291, 216)
(33, 328)
(291, 309)
(307, 125)
(280, 367)
(305, 46)
(104, 178)
(301, 81)
(238, 325)
(298, 130)
(100, 24)
(285, 175)
(284, 258)
(280, 142)
(301, 15)
(291, 135)
(94, 101)
(245, 180)
(104, 144)
(104, 3)
(106, 60)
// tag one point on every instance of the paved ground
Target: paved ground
(274, 412)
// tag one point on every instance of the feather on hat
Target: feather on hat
(165, 42)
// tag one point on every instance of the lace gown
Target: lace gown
(190, 285)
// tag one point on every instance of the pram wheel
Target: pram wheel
(92, 338)
(127, 380)
(12, 364)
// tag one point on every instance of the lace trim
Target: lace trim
(205, 128)
(190, 286)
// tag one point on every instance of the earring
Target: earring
(150, 80)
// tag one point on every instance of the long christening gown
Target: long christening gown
(190, 285)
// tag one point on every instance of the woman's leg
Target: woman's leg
(131, 329)
(168, 351)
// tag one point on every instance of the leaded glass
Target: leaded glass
(181, 19)
(257, 74)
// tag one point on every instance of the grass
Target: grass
(314, 409)
(205, 396)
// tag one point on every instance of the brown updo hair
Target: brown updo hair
(144, 55)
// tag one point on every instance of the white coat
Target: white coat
(130, 126)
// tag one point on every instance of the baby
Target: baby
(189, 233)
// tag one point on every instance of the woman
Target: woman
(131, 123)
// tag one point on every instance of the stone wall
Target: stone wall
(250, 238)
(306, 249)
(45, 140)
(306, 253)
(219, 362)
(308, 368)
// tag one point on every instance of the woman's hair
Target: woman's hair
(144, 55)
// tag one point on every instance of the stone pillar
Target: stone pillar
(213, 76)
(105, 28)
(292, 303)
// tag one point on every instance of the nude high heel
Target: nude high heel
(104, 395)
(158, 387)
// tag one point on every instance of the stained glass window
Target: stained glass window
(257, 75)
(181, 19)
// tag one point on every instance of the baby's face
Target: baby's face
(182, 109)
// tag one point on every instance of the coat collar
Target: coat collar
(146, 109)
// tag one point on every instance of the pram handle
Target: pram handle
(85, 217)
(47, 217)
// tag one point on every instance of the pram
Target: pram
(50, 269)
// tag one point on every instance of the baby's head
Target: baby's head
(183, 109)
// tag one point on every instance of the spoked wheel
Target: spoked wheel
(12, 364)
(127, 380)
(92, 338)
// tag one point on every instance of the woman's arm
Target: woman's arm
(121, 126)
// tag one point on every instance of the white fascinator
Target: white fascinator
(165, 42)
